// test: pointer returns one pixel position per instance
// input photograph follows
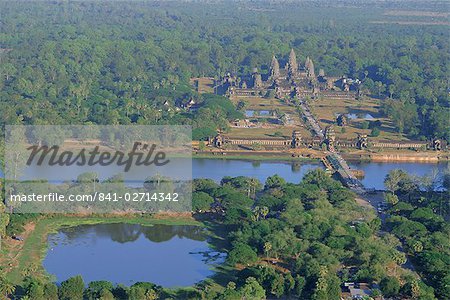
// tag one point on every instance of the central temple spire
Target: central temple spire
(309, 66)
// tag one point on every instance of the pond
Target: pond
(128, 253)
(364, 116)
(252, 113)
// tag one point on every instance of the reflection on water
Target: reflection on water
(292, 172)
(252, 113)
(127, 253)
(364, 116)
(216, 169)
(375, 173)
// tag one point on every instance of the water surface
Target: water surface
(216, 169)
(252, 113)
(170, 256)
(375, 172)
(365, 116)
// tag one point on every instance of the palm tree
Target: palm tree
(267, 248)
(264, 211)
(399, 258)
(6, 287)
(255, 216)
(252, 184)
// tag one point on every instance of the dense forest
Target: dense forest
(130, 62)
(417, 217)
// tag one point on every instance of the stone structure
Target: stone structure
(362, 141)
(342, 120)
(257, 79)
(293, 80)
(292, 65)
(296, 142)
(218, 141)
(300, 81)
(330, 137)
(309, 67)
(437, 144)
(274, 69)
(399, 145)
(296, 139)
(322, 73)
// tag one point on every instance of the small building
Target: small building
(353, 291)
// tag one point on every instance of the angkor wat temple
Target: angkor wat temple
(300, 81)
(292, 80)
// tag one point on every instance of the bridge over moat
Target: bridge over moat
(340, 166)
(333, 161)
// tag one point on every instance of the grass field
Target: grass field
(326, 111)
(261, 103)
(266, 132)
(414, 17)
(203, 84)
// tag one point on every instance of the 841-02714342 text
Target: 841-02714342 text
(97, 196)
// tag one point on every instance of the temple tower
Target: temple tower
(362, 141)
(342, 120)
(311, 72)
(309, 67)
(307, 61)
(274, 69)
(437, 144)
(296, 139)
(293, 66)
(257, 79)
(218, 141)
(322, 73)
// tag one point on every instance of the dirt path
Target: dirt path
(13, 248)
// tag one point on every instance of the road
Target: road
(376, 200)
(311, 120)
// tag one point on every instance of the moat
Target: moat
(291, 171)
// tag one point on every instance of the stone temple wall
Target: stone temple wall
(287, 143)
